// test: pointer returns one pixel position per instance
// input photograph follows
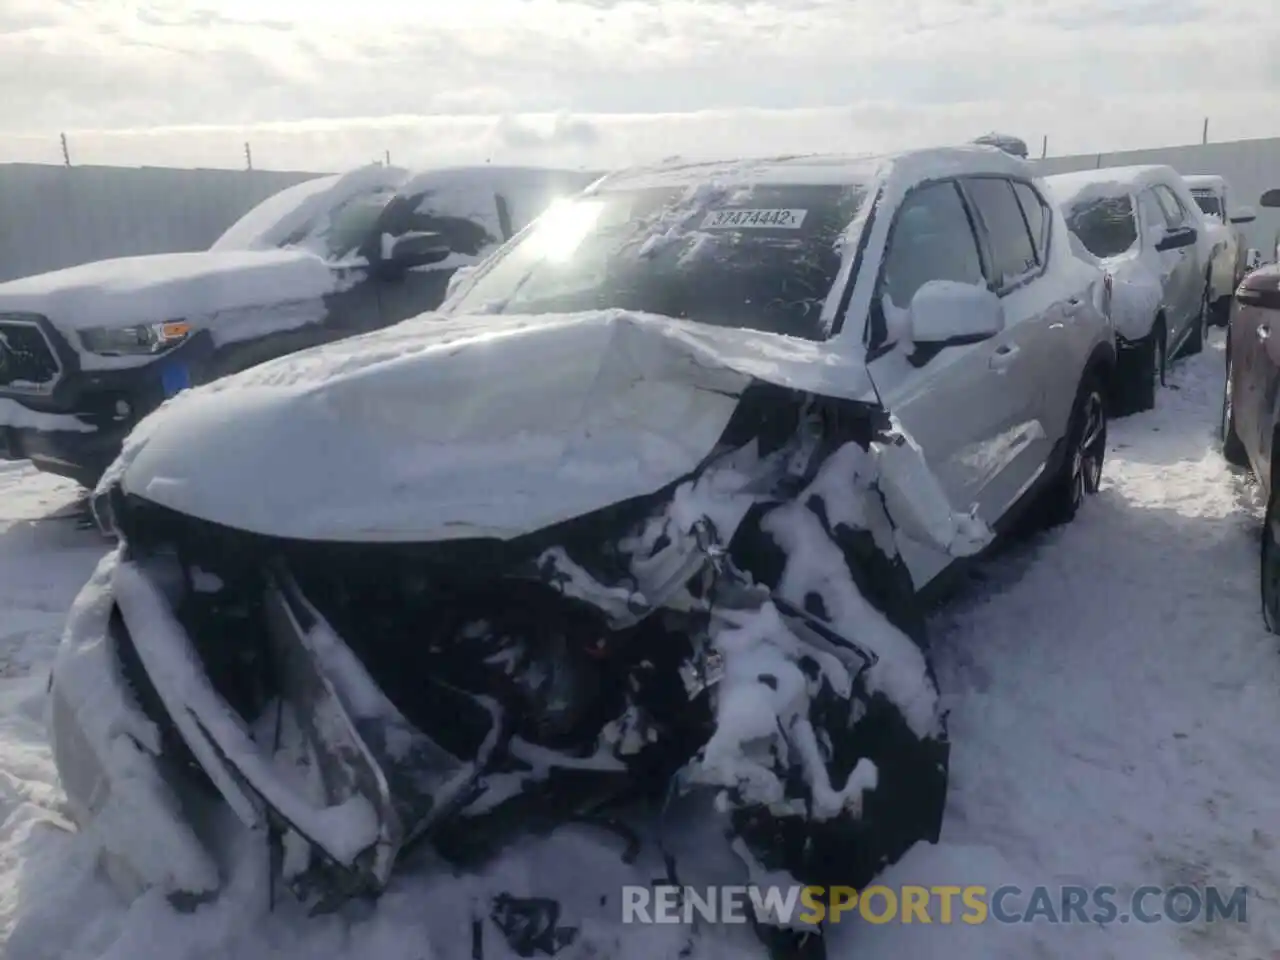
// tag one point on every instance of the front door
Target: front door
(947, 398)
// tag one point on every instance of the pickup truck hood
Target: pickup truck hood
(168, 286)
(438, 429)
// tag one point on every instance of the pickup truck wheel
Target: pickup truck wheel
(1270, 566)
(1232, 449)
(1081, 470)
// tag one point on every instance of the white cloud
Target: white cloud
(321, 84)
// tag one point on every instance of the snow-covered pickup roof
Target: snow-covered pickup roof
(282, 214)
(1071, 188)
(823, 169)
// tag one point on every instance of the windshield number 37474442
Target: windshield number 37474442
(739, 219)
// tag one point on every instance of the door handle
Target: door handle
(1003, 356)
(1263, 331)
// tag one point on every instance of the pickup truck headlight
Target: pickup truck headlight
(143, 339)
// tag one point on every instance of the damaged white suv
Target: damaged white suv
(643, 518)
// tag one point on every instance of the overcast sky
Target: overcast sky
(314, 84)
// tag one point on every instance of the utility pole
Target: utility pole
(66, 154)
(1204, 134)
(248, 156)
(1044, 147)
(388, 157)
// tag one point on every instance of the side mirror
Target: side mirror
(1270, 199)
(947, 313)
(413, 250)
(1177, 239)
(1244, 215)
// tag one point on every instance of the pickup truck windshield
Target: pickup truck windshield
(1104, 225)
(1208, 203)
(762, 257)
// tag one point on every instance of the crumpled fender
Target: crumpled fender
(917, 503)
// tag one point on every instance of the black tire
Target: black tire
(1222, 310)
(1086, 447)
(1269, 568)
(1140, 372)
(908, 803)
(1232, 449)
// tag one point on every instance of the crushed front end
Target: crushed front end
(747, 630)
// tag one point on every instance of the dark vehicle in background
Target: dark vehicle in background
(88, 351)
(1142, 225)
(1250, 427)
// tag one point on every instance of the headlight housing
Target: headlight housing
(141, 340)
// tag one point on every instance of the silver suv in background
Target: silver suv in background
(1142, 225)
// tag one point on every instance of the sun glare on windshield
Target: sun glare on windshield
(563, 227)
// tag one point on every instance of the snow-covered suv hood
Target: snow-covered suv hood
(167, 286)
(441, 429)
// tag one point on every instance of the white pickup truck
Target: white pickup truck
(1216, 200)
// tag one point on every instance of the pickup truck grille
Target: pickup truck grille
(27, 361)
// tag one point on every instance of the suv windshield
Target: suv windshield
(761, 257)
(1208, 203)
(1105, 225)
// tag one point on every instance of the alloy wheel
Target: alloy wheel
(1086, 462)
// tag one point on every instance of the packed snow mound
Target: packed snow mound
(168, 286)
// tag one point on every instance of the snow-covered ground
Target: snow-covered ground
(1115, 711)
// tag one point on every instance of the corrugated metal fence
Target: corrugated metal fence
(58, 216)
(53, 217)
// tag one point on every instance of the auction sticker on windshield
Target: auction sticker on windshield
(741, 219)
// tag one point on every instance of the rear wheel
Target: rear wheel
(1140, 371)
(1081, 470)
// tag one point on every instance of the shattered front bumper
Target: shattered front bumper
(376, 782)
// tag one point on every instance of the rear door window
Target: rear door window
(1155, 223)
(1012, 253)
